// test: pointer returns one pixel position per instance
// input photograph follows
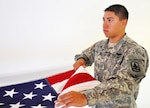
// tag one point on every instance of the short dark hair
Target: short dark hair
(119, 10)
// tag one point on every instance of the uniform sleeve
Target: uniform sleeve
(124, 83)
(87, 55)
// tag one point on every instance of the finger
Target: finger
(66, 99)
(65, 96)
(59, 104)
(63, 99)
(75, 66)
(63, 104)
(84, 66)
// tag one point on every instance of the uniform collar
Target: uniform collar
(117, 47)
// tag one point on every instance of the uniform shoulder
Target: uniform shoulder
(133, 45)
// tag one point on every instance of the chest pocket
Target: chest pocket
(118, 57)
(114, 58)
(108, 64)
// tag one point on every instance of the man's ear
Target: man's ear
(124, 22)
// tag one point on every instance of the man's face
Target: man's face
(112, 25)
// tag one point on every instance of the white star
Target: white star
(39, 106)
(17, 105)
(48, 97)
(29, 96)
(10, 93)
(41, 85)
(1, 103)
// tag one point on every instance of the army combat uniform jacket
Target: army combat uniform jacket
(119, 69)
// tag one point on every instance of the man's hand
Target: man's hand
(78, 63)
(71, 99)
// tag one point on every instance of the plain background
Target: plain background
(39, 38)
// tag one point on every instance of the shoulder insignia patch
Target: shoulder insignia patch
(135, 66)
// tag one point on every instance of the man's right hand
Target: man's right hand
(78, 63)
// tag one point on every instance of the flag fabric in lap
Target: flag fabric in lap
(58, 81)
(80, 80)
(43, 93)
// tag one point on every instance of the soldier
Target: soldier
(119, 64)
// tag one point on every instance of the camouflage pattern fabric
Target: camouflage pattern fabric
(119, 69)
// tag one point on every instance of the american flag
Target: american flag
(35, 94)
(43, 93)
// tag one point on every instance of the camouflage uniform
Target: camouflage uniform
(119, 69)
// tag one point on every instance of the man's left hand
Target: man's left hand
(71, 98)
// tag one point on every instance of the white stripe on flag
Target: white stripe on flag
(81, 86)
(80, 80)
(59, 86)
(88, 83)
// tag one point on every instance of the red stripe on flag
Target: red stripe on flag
(60, 77)
(78, 79)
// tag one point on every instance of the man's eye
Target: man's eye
(110, 20)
